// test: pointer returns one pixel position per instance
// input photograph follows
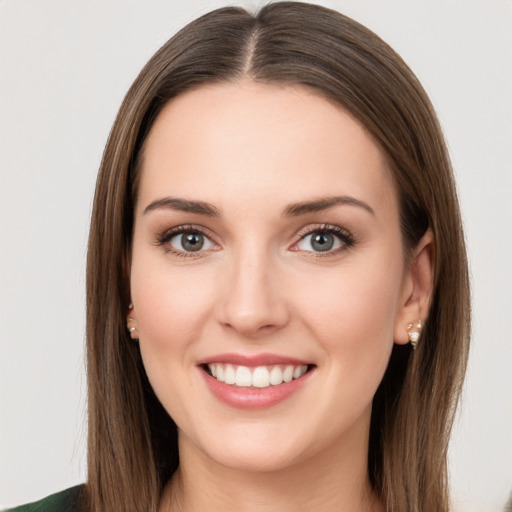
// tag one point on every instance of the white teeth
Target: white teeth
(229, 374)
(243, 376)
(276, 376)
(261, 377)
(299, 371)
(258, 377)
(288, 374)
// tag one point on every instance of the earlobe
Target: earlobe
(417, 292)
(131, 322)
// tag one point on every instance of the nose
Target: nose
(254, 302)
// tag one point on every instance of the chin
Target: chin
(255, 457)
(260, 446)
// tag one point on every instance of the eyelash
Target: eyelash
(346, 238)
(167, 236)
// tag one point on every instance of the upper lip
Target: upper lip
(253, 360)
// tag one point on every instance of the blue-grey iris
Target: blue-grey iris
(322, 241)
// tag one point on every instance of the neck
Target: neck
(334, 480)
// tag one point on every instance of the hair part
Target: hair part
(132, 447)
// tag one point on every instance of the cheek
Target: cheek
(352, 309)
(169, 305)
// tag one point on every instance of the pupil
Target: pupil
(192, 242)
(322, 242)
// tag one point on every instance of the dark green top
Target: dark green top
(64, 501)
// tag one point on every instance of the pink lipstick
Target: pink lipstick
(254, 382)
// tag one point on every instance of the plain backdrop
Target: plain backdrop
(64, 68)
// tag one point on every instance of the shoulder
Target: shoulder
(64, 501)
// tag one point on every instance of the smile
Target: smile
(258, 377)
(256, 382)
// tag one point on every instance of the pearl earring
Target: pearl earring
(130, 319)
(413, 332)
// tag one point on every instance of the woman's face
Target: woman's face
(267, 251)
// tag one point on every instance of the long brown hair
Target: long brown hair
(132, 450)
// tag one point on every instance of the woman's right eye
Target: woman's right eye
(191, 241)
(186, 241)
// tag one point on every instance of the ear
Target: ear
(131, 319)
(417, 288)
(131, 322)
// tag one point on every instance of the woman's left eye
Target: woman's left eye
(325, 240)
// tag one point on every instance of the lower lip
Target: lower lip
(251, 397)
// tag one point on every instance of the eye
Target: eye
(184, 241)
(319, 242)
(327, 239)
(190, 241)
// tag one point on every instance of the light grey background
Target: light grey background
(64, 68)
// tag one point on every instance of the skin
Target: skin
(258, 286)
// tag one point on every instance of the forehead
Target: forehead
(257, 143)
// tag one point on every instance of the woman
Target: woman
(275, 229)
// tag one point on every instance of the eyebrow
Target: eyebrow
(292, 210)
(183, 205)
(324, 203)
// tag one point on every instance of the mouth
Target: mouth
(254, 382)
(256, 376)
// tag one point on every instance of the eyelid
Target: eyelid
(165, 236)
(346, 238)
